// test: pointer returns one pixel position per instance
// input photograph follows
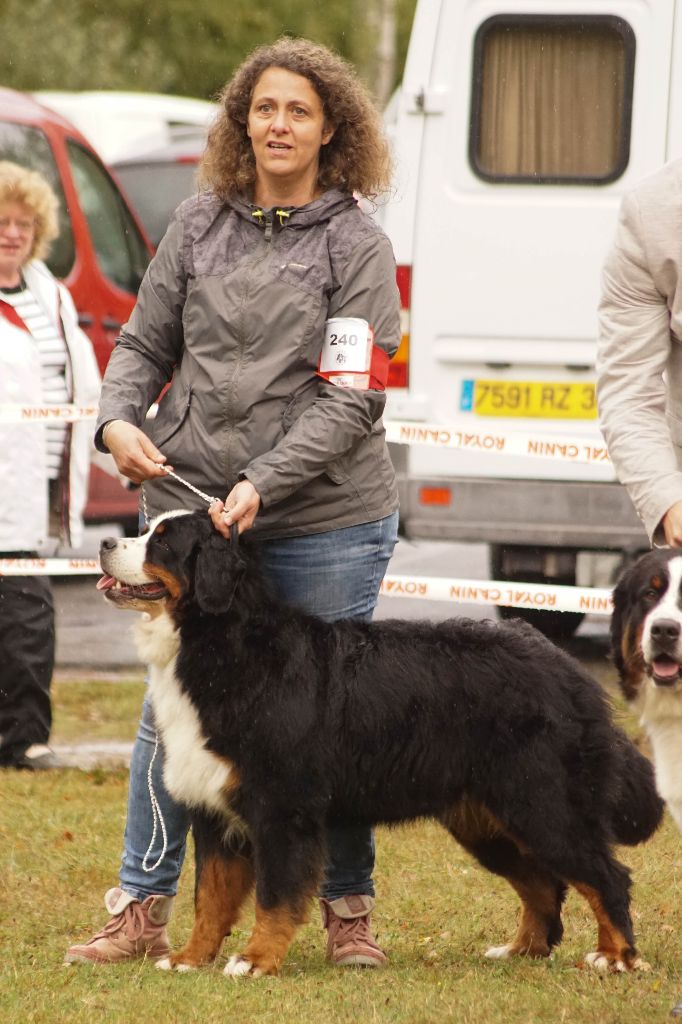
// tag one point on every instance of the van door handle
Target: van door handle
(110, 325)
(85, 320)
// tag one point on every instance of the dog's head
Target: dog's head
(646, 626)
(181, 556)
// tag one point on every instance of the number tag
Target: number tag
(347, 346)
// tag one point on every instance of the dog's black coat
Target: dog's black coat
(487, 727)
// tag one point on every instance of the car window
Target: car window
(155, 189)
(119, 247)
(30, 147)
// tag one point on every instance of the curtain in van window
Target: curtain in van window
(551, 101)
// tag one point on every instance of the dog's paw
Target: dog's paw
(165, 964)
(240, 967)
(609, 965)
(499, 952)
(605, 964)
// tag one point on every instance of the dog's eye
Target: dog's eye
(650, 594)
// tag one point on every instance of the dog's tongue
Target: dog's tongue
(665, 669)
(106, 582)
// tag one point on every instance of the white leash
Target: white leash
(181, 480)
(157, 816)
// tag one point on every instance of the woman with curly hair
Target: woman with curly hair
(272, 304)
(45, 359)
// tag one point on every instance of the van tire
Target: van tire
(554, 625)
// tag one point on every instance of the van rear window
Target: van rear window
(552, 99)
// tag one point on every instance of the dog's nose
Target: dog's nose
(108, 544)
(665, 629)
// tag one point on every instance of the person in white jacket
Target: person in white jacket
(45, 359)
(639, 355)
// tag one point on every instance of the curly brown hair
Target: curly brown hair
(357, 158)
(20, 185)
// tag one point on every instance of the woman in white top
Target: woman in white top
(45, 359)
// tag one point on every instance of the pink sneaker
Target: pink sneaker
(349, 938)
(135, 930)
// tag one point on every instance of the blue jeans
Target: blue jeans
(335, 575)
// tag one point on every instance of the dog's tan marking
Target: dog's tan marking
(270, 939)
(175, 587)
(540, 907)
(612, 945)
(221, 891)
(633, 660)
(471, 823)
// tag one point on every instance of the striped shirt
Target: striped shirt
(53, 358)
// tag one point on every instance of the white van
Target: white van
(517, 129)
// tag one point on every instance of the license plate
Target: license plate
(534, 398)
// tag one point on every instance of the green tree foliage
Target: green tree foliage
(187, 47)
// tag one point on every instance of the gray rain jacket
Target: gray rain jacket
(233, 308)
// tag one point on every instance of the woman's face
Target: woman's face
(287, 128)
(17, 227)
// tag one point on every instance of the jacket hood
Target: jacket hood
(317, 212)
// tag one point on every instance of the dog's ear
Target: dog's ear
(219, 568)
(621, 610)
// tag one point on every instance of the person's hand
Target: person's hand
(672, 525)
(240, 506)
(134, 454)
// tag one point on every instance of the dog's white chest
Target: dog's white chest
(661, 716)
(193, 775)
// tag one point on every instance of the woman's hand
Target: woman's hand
(240, 506)
(134, 454)
(672, 525)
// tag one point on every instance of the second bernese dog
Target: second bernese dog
(276, 724)
(646, 638)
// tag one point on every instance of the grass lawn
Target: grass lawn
(60, 839)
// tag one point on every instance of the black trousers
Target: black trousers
(27, 648)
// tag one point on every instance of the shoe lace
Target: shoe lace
(352, 929)
(131, 920)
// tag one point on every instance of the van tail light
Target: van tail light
(435, 496)
(398, 368)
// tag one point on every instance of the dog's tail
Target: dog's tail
(637, 807)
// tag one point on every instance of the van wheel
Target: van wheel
(555, 625)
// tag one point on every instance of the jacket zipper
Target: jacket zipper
(266, 220)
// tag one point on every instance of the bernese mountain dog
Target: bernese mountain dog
(646, 638)
(275, 724)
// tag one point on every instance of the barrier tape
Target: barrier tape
(49, 566)
(460, 436)
(592, 600)
(547, 597)
(46, 413)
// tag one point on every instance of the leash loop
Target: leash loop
(157, 817)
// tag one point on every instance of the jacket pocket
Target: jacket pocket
(338, 470)
(161, 432)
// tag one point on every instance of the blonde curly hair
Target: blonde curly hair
(356, 159)
(20, 185)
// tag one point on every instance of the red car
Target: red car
(101, 254)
